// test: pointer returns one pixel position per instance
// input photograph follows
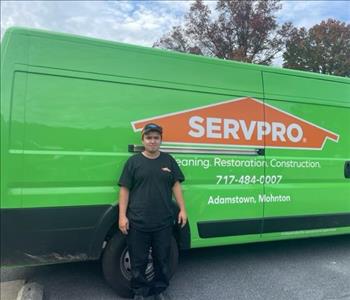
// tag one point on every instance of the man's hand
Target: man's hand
(123, 224)
(182, 218)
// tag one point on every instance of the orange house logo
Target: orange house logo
(241, 123)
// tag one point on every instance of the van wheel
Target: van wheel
(116, 264)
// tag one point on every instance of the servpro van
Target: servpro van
(265, 151)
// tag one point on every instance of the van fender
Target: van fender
(107, 226)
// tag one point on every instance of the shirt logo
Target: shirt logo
(241, 123)
(166, 170)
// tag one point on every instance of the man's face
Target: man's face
(152, 141)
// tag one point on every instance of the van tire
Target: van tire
(114, 261)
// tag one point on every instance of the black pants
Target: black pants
(139, 243)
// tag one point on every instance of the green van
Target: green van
(265, 151)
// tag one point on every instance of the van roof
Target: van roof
(161, 52)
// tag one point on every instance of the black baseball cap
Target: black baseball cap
(152, 127)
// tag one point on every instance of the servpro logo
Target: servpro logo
(240, 129)
(243, 122)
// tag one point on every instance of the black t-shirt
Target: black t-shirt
(150, 183)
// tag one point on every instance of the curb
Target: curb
(31, 291)
(9, 289)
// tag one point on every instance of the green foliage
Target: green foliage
(324, 48)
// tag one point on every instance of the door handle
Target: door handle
(347, 169)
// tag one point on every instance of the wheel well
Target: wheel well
(182, 235)
(113, 230)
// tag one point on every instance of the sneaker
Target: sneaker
(138, 297)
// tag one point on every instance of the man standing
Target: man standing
(148, 181)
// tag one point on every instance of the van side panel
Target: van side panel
(77, 136)
(13, 88)
(316, 193)
(75, 133)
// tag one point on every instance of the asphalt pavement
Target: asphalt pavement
(307, 269)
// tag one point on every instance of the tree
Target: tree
(324, 48)
(240, 30)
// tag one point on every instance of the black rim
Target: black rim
(125, 265)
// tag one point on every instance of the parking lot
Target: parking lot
(309, 269)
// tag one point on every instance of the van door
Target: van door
(306, 192)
